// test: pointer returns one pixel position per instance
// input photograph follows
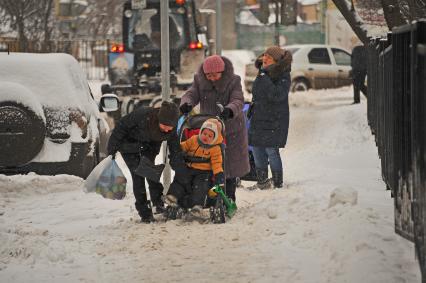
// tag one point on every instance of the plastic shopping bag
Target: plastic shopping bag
(107, 179)
(89, 185)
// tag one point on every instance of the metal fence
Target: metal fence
(91, 54)
(397, 117)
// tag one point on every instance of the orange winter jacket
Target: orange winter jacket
(194, 148)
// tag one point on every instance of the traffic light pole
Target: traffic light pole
(218, 27)
(165, 78)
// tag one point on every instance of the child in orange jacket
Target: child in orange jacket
(203, 156)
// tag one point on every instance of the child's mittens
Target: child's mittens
(219, 179)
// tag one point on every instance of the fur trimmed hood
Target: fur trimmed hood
(276, 70)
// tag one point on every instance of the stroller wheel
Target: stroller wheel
(217, 211)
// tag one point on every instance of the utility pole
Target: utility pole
(218, 27)
(277, 23)
(165, 78)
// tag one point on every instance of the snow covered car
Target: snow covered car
(314, 66)
(49, 122)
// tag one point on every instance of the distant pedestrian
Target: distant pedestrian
(216, 84)
(359, 71)
(269, 115)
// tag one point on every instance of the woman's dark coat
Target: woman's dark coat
(270, 111)
(228, 92)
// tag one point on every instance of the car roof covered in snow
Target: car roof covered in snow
(314, 45)
(55, 79)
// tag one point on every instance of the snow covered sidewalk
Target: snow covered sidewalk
(332, 223)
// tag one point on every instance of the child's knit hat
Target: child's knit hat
(211, 125)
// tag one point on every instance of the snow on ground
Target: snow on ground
(332, 223)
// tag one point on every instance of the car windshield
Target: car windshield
(145, 29)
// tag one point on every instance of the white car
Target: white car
(49, 121)
(314, 66)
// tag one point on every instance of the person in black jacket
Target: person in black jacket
(359, 71)
(141, 133)
(269, 114)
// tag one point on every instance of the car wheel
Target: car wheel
(22, 134)
(300, 84)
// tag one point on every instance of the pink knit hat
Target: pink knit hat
(213, 64)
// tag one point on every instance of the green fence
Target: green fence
(258, 37)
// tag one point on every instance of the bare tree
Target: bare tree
(395, 13)
(103, 18)
(412, 9)
(392, 13)
(354, 20)
(31, 19)
(46, 19)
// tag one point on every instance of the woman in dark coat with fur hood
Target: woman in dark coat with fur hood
(215, 83)
(270, 115)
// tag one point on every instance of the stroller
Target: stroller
(219, 205)
(250, 176)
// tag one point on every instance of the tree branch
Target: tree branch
(353, 19)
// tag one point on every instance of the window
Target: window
(341, 57)
(319, 56)
(145, 29)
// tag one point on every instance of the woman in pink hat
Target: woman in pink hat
(216, 84)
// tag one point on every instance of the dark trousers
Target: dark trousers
(139, 189)
(358, 82)
(231, 187)
(194, 190)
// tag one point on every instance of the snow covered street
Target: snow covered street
(332, 223)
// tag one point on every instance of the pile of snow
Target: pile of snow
(343, 196)
(333, 221)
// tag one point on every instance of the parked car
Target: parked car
(314, 66)
(49, 121)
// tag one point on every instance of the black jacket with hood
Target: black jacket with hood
(139, 133)
(269, 110)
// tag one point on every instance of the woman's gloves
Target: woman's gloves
(186, 108)
(226, 114)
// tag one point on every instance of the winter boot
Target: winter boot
(171, 200)
(173, 211)
(263, 183)
(196, 211)
(147, 217)
(277, 179)
(159, 207)
(196, 214)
